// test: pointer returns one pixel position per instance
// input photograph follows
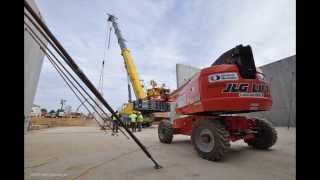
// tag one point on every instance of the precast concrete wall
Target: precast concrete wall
(281, 76)
(33, 57)
(184, 73)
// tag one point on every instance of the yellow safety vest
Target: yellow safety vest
(133, 117)
(114, 117)
(140, 118)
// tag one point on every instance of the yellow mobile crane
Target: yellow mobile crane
(155, 99)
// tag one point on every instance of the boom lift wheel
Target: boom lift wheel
(210, 139)
(266, 136)
(165, 132)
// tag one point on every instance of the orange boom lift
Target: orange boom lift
(207, 106)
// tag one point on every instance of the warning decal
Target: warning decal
(222, 77)
(252, 94)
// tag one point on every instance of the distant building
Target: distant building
(35, 111)
(68, 109)
(74, 114)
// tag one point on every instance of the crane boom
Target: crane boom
(130, 67)
(154, 100)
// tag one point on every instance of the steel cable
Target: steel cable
(59, 70)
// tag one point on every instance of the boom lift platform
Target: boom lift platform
(206, 106)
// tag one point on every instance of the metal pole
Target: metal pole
(86, 81)
(65, 77)
(43, 45)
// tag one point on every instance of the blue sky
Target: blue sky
(160, 34)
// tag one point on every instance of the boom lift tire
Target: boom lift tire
(266, 136)
(210, 139)
(165, 132)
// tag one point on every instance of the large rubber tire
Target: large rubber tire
(210, 139)
(266, 136)
(165, 132)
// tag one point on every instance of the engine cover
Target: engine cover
(220, 89)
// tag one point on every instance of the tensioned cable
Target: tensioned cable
(106, 49)
(43, 45)
(59, 70)
(60, 73)
(61, 55)
(76, 69)
(63, 75)
(101, 78)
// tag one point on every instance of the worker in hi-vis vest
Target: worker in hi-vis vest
(115, 123)
(125, 119)
(139, 121)
(133, 118)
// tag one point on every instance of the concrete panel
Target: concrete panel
(184, 73)
(33, 58)
(282, 78)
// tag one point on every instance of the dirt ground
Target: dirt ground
(59, 122)
(88, 153)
